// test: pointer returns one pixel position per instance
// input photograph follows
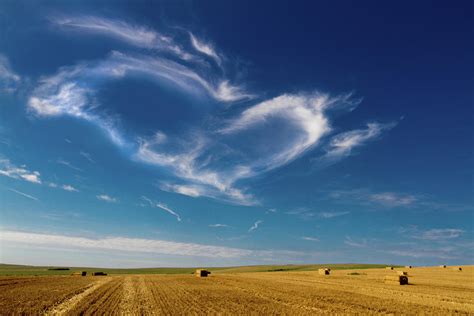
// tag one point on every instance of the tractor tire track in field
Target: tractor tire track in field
(69, 304)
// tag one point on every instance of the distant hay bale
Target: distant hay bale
(324, 271)
(442, 266)
(79, 273)
(201, 273)
(389, 268)
(457, 268)
(408, 267)
(99, 273)
(402, 273)
(396, 279)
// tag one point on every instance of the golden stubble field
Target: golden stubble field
(433, 291)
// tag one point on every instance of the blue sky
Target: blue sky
(187, 133)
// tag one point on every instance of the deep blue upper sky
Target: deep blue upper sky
(193, 133)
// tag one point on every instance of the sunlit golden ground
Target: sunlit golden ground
(431, 291)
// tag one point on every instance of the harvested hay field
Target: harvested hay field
(430, 291)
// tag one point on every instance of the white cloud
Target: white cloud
(69, 188)
(124, 244)
(332, 214)
(392, 199)
(65, 187)
(12, 171)
(357, 244)
(440, 234)
(205, 48)
(167, 209)
(184, 250)
(303, 213)
(304, 112)
(189, 190)
(132, 34)
(107, 198)
(218, 225)
(9, 80)
(185, 165)
(72, 91)
(68, 164)
(24, 194)
(161, 206)
(310, 238)
(342, 144)
(385, 199)
(87, 156)
(255, 226)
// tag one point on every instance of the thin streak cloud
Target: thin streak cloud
(255, 226)
(161, 206)
(24, 194)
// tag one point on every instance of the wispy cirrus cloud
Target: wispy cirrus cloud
(314, 239)
(72, 91)
(136, 35)
(255, 226)
(87, 156)
(162, 206)
(9, 80)
(218, 225)
(65, 187)
(343, 144)
(205, 48)
(70, 188)
(392, 199)
(31, 197)
(440, 234)
(124, 244)
(332, 214)
(305, 113)
(150, 246)
(361, 243)
(68, 164)
(19, 172)
(167, 209)
(190, 165)
(303, 213)
(368, 197)
(215, 162)
(432, 234)
(107, 198)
